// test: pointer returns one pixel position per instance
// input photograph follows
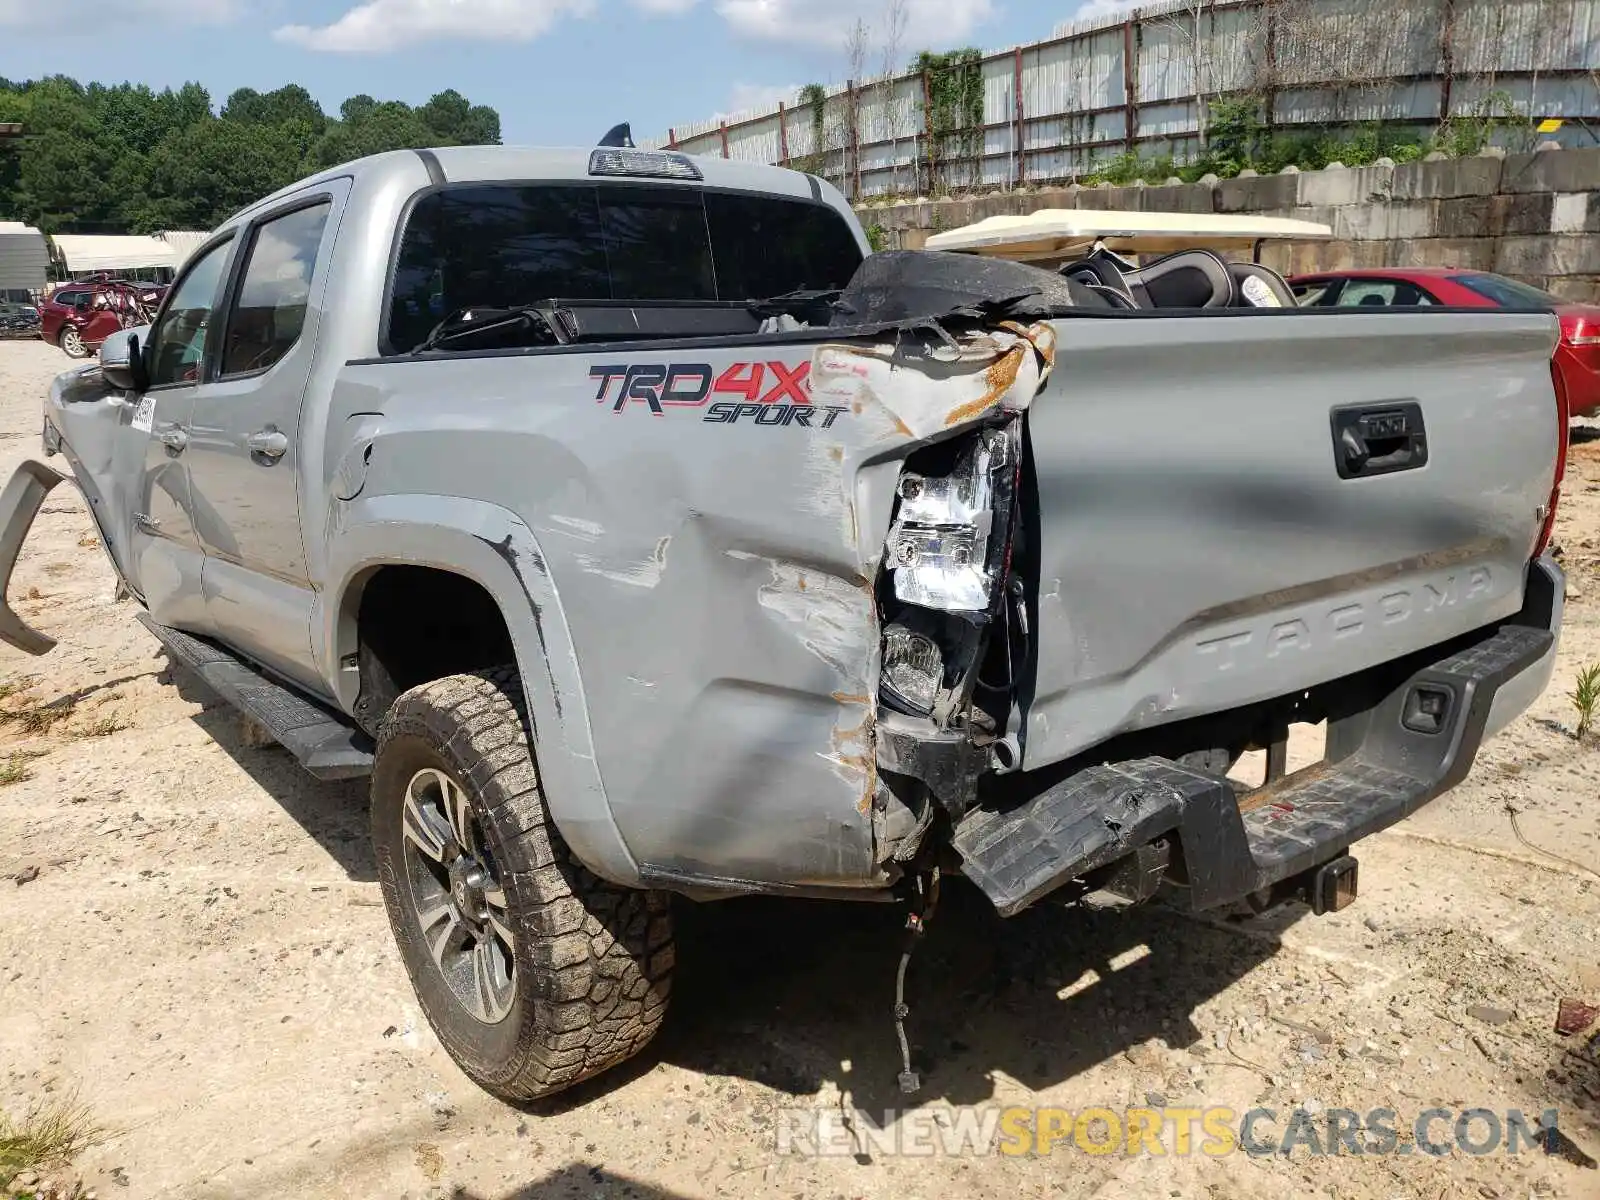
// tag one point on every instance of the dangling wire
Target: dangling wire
(922, 910)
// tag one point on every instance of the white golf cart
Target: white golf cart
(1145, 259)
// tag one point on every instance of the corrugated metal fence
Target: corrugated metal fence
(1053, 109)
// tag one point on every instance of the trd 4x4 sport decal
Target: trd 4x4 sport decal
(772, 393)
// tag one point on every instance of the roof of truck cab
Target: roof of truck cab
(1055, 232)
(533, 164)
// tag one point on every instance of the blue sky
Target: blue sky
(559, 71)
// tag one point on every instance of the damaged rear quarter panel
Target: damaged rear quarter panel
(718, 575)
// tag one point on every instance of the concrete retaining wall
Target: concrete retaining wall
(1535, 217)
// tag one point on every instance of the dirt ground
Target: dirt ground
(203, 956)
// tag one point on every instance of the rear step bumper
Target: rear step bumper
(326, 745)
(1380, 772)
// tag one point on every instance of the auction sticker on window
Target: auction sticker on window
(144, 416)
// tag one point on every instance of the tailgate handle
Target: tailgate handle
(1378, 439)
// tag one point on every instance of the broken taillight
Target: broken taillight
(1563, 434)
(947, 556)
(913, 670)
(946, 549)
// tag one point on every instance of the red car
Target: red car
(1577, 358)
(79, 316)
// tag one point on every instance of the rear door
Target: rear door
(150, 486)
(243, 435)
(103, 318)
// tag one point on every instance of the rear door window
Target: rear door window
(270, 309)
(501, 245)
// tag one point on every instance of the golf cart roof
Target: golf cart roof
(1054, 233)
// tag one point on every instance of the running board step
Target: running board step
(325, 744)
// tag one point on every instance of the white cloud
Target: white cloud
(381, 25)
(1103, 8)
(757, 97)
(665, 8)
(29, 14)
(827, 23)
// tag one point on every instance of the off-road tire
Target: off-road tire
(593, 961)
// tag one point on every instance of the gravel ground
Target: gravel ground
(195, 943)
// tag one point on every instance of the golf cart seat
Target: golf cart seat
(1185, 279)
(1261, 287)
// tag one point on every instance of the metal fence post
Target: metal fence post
(1018, 139)
(1447, 59)
(1130, 83)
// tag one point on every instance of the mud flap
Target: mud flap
(19, 505)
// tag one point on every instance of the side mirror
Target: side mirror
(122, 360)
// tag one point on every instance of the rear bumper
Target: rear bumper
(19, 505)
(1379, 771)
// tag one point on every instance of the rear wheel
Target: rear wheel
(72, 342)
(534, 972)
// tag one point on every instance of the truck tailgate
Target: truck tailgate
(1199, 548)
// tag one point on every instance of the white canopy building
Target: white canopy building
(24, 258)
(85, 253)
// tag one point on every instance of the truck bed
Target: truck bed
(1193, 546)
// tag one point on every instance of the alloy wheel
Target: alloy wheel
(457, 896)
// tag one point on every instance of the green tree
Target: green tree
(68, 160)
(289, 105)
(289, 109)
(13, 107)
(202, 174)
(387, 125)
(455, 121)
(124, 157)
(356, 107)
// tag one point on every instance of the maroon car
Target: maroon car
(1577, 358)
(79, 316)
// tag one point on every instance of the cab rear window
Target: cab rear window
(501, 245)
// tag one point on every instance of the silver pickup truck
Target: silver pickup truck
(640, 534)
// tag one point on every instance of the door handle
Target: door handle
(269, 442)
(146, 522)
(174, 439)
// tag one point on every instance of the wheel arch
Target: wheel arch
(492, 548)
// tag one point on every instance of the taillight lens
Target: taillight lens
(947, 546)
(1580, 331)
(1563, 423)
